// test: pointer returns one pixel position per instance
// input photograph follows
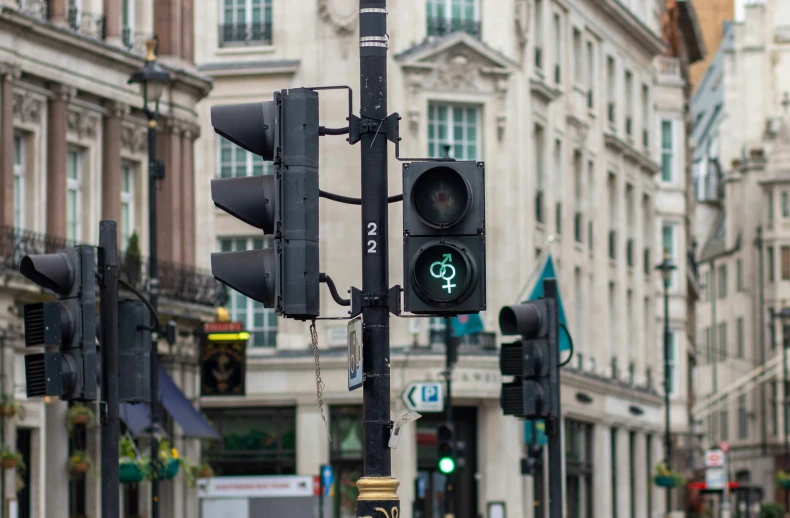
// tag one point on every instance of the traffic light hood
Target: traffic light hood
(250, 272)
(52, 271)
(523, 319)
(249, 126)
(248, 198)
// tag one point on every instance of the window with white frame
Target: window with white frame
(234, 161)
(785, 204)
(668, 246)
(453, 131)
(74, 195)
(629, 103)
(613, 345)
(743, 420)
(611, 82)
(19, 181)
(127, 203)
(667, 151)
(127, 19)
(590, 75)
(261, 322)
(558, 48)
(246, 22)
(447, 16)
(579, 303)
(645, 115)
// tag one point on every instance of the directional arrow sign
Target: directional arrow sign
(424, 396)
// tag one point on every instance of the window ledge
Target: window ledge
(245, 50)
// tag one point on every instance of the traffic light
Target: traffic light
(68, 323)
(285, 205)
(531, 464)
(446, 448)
(533, 360)
(134, 352)
(444, 245)
(460, 454)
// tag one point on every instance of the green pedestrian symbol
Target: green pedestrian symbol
(443, 271)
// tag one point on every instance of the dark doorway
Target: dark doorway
(23, 440)
(429, 498)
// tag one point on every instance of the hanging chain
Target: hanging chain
(319, 384)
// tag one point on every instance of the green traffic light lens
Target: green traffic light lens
(446, 465)
(441, 197)
(442, 273)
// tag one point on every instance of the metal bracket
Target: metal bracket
(391, 300)
(103, 412)
(389, 127)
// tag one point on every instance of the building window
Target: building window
(668, 244)
(725, 425)
(579, 468)
(611, 81)
(540, 174)
(246, 22)
(235, 161)
(127, 22)
(254, 441)
(346, 456)
(590, 75)
(558, 184)
(774, 409)
(743, 422)
(578, 64)
(579, 301)
(613, 349)
(667, 152)
(629, 103)
(453, 132)
(578, 196)
(723, 280)
(739, 275)
(645, 116)
(539, 34)
(73, 195)
(771, 267)
(613, 448)
(558, 40)
(261, 322)
(785, 205)
(19, 181)
(448, 16)
(127, 204)
(741, 337)
(723, 345)
(786, 263)
(707, 346)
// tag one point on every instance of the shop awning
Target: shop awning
(138, 417)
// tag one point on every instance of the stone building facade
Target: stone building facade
(565, 102)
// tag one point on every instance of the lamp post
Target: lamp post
(666, 267)
(784, 318)
(153, 80)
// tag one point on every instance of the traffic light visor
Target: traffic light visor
(442, 272)
(441, 197)
(249, 126)
(250, 272)
(52, 271)
(523, 319)
(248, 198)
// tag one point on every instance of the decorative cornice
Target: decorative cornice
(133, 138)
(9, 71)
(63, 92)
(82, 122)
(343, 25)
(117, 109)
(543, 90)
(27, 108)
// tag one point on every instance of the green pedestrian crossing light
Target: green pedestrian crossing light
(446, 453)
(446, 465)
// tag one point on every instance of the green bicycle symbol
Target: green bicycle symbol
(444, 269)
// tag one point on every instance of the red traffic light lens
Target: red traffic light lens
(441, 197)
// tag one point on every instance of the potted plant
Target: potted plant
(79, 463)
(10, 407)
(132, 261)
(783, 479)
(205, 471)
(132, 468)
(79, 415)
(666, 477)
(10, 459)
(168, 461)
(772, 510)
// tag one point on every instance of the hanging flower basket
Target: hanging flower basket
(168, 469)
(665, 477)
(10, 459)
(130, 473)
(205, 471)
(665, 481)
(9, 463)
(9, 407)
(79, 463)
(79, 415)
(783, 479)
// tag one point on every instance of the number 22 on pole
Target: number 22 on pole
(372, 242)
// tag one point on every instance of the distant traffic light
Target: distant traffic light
(445, 435)
(68, 323)
(534, 359)
(532, 463)
(444, 247)
(285, 205)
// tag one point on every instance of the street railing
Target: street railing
(176, 281)
(245, 34)
(88, 24)
(35, 8)
(441, 26)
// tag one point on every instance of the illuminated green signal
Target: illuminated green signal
(446, 465)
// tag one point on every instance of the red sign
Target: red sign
(223, 327)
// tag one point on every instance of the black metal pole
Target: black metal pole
(667, 389)
(763, 426)
(449, 493)
(110, 427)
(554, 424)
(377, 488)
(153, 297)
(785, 345)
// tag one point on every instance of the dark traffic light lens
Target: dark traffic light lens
(441, 197)
(442, 273)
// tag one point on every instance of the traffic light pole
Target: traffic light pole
(108, 308)
(554, 424)
(153, 175)
(377, 488)
(449, 493)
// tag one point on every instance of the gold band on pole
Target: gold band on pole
(378, 488)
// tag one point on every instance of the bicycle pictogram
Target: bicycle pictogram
(444, 268)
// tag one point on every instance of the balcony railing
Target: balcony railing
(241, 34)
(134, 41)
(668, 69)
(176, 281)
(441, 26)
(35, 8)
(88, 24)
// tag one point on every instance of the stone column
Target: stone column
(187, 30)
(112, 21)
(602, 481)
(56, 159)
(59, 11)
(111, 163)
(8, 73)
(643, 471)
(167, 24)
(498, 438)
(168, 201)
(188, 196)
(56, 503)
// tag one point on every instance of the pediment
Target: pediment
(457, 61)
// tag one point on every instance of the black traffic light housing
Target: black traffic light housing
(134, 352)
(444, 248)
(68, 323)
(445, 448)
(285, 206)
(530, 465)
(534, 359)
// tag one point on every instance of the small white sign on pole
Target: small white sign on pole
(354, 336)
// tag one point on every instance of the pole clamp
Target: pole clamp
(103, 419)
(389, 127)
(390, 300)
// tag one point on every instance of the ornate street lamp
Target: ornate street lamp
(666, 267)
